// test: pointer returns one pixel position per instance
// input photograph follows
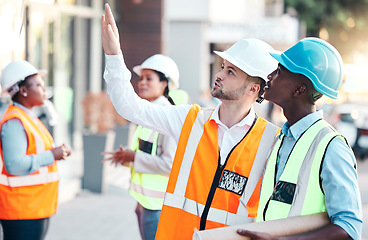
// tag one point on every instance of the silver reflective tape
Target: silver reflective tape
(29, 180)
(190, 150)
(304, 174)
(215, 215)
(40, 145)
(146, 192)
(267, 141)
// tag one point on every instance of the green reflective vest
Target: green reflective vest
(298, 191)
(148, 189)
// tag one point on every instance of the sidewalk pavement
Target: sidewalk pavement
(95, 217)
(84, 215)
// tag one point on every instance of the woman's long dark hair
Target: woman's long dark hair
(166, 91)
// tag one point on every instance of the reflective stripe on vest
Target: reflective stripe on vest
(33, 196)
(147, 189)
(192, 176)
(298, 190)
(44, 176)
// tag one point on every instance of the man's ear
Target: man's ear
(255, 88)
(300, 90)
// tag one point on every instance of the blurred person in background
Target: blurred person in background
(152, 153)
(311, 168)
(215, 178)
(28, 170)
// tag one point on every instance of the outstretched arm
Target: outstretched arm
(167, 120)
(110, 33)
(330, 231)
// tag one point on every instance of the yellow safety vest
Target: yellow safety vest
(202, 193)
(298, 191)
(33, 196)
(147, 189)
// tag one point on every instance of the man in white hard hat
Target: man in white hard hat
(311, 169)
(215, 178)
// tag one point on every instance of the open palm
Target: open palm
(109, 33)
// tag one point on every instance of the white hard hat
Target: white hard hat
(252, 56)
(15, 72)
(162, 64)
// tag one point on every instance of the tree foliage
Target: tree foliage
(345, 22)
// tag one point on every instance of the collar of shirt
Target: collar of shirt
(247, 121)
(229, 137)
(29, 112)
(296, 130)
(162, 100)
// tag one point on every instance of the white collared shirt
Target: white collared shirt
(229, 137)
(167, 120)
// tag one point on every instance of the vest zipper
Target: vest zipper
(216, 181)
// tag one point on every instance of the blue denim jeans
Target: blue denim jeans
(147, 221)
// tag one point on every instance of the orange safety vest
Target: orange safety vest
(33, 196)
(202, 193)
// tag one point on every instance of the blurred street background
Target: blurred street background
(63, 37)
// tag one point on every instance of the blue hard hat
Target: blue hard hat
(317, 60)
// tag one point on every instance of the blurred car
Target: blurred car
(351, 120)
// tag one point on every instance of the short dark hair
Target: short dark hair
(260, 81)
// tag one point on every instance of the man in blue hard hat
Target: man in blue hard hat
(311, 168)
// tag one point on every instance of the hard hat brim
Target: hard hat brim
(137, 69)
(251, 71)
(277, 56)
(173, 84)
(232, 60)
(42, 72)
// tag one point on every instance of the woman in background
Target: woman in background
(152, 153)
(28, 171)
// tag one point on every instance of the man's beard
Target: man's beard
(229, 95)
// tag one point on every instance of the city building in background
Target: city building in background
(63, 37)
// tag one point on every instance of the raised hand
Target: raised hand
(109, 33)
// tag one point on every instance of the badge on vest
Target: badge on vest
(233, 182)
(284, 192)
(145, 146)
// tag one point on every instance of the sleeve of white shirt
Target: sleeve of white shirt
(159, 164)
(340, 185)
(167, 120)
(14, 145)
